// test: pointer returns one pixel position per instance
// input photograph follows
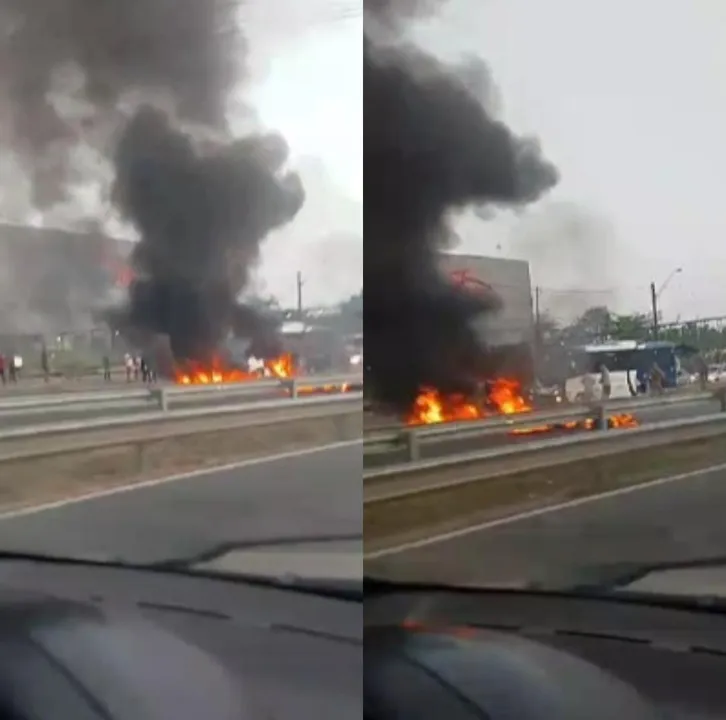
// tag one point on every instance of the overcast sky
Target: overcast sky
(629, 99)
(307, 83)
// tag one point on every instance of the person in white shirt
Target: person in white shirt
(588, 388)
(605, 382)
(129, 365)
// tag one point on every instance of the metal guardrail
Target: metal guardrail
(251, 409)
(164, 397)
(551, 452)
(411, 438)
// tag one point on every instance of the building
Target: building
(510, 281)
(52, 280)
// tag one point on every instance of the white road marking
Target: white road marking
(529, 514)
(145, 484)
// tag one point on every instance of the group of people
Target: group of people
(10, 367)
(652, 383)
(137, 367)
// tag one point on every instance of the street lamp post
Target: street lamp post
(655, 295)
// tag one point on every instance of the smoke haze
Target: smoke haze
(201, 219)
(430, 149)
(67, 66)
(572, 251)
(72, 72)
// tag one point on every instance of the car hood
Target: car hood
(341, 560)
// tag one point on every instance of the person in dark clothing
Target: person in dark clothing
(3, 369)
(657, 380)
(702, 369)
(45, 364)
(106, 368)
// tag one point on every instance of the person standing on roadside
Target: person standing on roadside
(657, 379)
(605, 382)
(702, 369)
(44, 363)
(129, 365)
(106, 368)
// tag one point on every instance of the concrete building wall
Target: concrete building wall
(51, 279)
(510, 280)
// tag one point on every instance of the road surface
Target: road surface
(678, 520)
(454, 446)
(311, 493)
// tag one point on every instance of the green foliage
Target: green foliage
(598, 324)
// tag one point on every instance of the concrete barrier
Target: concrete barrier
(76, 463)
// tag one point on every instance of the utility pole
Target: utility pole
(300, 284)
(654, 305)
(537, 332)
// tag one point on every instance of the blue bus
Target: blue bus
(629, 362)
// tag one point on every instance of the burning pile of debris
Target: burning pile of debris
(217, 371)
(501, 397)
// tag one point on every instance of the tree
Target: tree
(629, 327)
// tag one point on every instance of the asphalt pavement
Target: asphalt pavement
(678, 520)
(308, 494)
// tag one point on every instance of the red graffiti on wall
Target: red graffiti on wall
(466, 279)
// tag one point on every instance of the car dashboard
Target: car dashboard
(116, 643)
(461, 654)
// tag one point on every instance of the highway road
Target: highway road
(309, 493)
(676, 520)
(452, 446)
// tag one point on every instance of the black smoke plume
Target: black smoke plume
(201, 215)
(201, 219)
(430, 149)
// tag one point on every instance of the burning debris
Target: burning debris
(430, 149)
(500, 397)
(217, 371)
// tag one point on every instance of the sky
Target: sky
(629, 100)
(307, 82)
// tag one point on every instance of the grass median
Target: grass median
(41, 470)
(389, 522)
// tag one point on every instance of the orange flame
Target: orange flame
(617, 421)
(504, 397)
(216, 372)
